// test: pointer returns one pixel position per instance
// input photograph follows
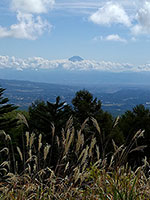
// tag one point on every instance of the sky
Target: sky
(116, 31)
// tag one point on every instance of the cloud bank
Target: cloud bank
(38, 63)
(30, 24)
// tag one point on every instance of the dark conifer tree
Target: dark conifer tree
(86, 106)
(6, 122)
(43, 115)
(130, 123)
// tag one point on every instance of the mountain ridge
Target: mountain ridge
(76, 59)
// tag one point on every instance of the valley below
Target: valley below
(115, 98)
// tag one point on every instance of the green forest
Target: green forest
(79, 151)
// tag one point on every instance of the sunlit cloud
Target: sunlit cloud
(135, 16)
(28, 26)
(109, 14)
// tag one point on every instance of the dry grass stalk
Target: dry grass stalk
(97, 152)
(63, 137)
(117, 149)
(81, 154)
(116, 121)
(84, 124)
(46, 151)
(2, 132)
(27, 138)
(20, 153)
(30, 154)
(80, 141)
(69, 140)
(95, 123)
(31, 141)
(85, 155)
(69, 123)
(5, 164)
(40, 142)
(8, 138)
(67, 136)
(92, 145)
(138, 134)
(66, 167)
(139, 148)
(58, 141)
(121, 153)
(5, 150)
(22, 119)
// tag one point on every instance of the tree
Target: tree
(130, 123)
(86, 106)
(6, 122)
(43, 115)
(48, 119)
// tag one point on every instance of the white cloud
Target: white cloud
(28, 27)
(87, 65)
(32, 6)
(29, 63)
(143, 20)
(113, 37)
(134, 15)
(4, 32)
(111, 13)
(38, 63)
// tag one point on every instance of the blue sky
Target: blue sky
(111, 31)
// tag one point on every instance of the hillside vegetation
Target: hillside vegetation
(57, 151)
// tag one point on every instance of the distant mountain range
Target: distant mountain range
(73, 71)
(79, 78)
(115, 98)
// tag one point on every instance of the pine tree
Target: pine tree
(6, 122)
(85, 105)
(43, 115)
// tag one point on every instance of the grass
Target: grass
(81, 171)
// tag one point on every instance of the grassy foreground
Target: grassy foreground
(81, 171)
